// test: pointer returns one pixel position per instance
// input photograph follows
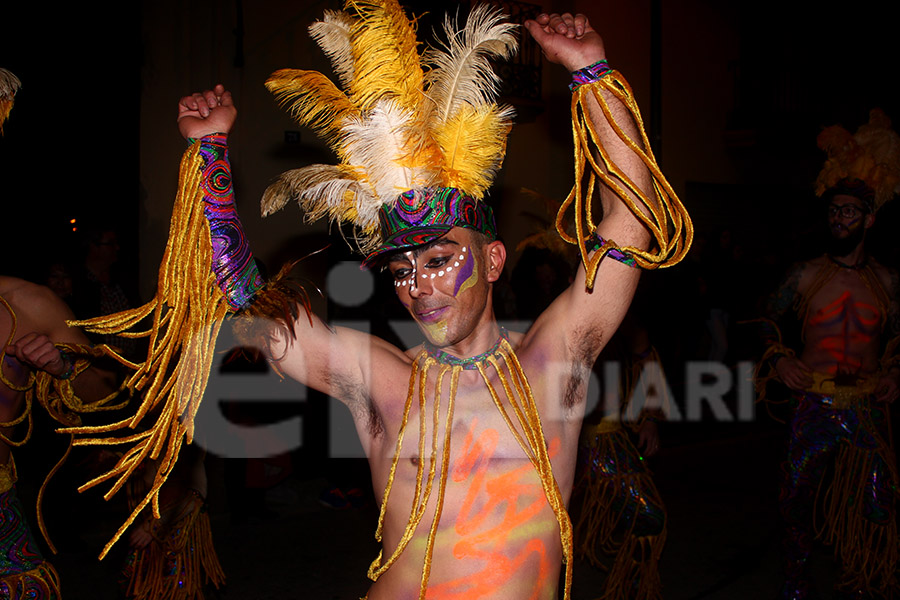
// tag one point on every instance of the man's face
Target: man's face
(444, 285)
(848, 219)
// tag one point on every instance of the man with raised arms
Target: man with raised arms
(472, 436)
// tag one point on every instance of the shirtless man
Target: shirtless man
(33, 318)
(497, 536)
(847, 304)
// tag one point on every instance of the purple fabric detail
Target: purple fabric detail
(589, 74)
(236, 272)
(598, 242)
(19, 553)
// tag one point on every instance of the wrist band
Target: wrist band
(597, 242)
(66, 360)
(589, 74)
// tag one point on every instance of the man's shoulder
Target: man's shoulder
(888, 276)
(21, 293)
(32, 300)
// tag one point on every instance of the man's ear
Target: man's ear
(869, 220)
(496, 259)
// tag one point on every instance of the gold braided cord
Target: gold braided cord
(187, 313)
(530, 420)
(376, 569)
(520, 397)
(445, 467)
(668, 220)
(42, 492)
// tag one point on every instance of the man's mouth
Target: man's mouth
(430, 315)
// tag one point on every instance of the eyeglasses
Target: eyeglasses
(847, 211)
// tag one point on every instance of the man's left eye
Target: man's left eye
(436, 263)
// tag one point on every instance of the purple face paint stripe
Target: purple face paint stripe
(465, 271)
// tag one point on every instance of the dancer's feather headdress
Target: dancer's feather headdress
(865, 164)
(9, 85)
(419, 136)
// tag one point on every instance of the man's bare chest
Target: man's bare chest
(847, 303)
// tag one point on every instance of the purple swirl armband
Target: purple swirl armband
(589, 74)
(232, 262)
(596, 242)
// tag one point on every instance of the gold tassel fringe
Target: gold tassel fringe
(189, 551)
(867, 552)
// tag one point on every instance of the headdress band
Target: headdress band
(422, 216)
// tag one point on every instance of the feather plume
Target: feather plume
(473, 142)
(332, 34)
(386, 55)
(313, 99)
(9, 85)
(461, 72)
(293, 184)
(379, 144)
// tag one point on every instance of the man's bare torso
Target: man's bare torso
(498, 536)
(845, 319)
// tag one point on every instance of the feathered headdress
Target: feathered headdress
(870, 156)
(419, 137)
(9, 85)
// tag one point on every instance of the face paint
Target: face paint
(468, 274)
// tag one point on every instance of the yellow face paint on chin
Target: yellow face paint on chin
(436, 332)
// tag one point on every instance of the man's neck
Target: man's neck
(855, 259)
(482, 339)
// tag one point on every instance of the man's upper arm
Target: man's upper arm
(337, 361)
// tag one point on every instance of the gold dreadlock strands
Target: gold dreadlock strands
(445, 468)
(668, 220)
(188, 311)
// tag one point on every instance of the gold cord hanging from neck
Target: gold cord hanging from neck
(520, 398)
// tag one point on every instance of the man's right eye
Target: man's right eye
(401, 273)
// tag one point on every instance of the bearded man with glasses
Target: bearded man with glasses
(839, 477)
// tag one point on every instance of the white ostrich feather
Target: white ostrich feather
(332, 34)
(381, 144)
(9, 84)
(331, 180)
(460, 68)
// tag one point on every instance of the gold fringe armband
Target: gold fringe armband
(665, 216)
(186, 315)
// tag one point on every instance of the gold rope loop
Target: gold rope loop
(667, 221)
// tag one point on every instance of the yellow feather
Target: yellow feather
(386, 55)
(473, 142)
(313, 99)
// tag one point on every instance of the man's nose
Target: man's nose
(420, 286)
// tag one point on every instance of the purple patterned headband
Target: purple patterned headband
(422, 216)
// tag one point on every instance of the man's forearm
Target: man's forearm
(232, 262)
